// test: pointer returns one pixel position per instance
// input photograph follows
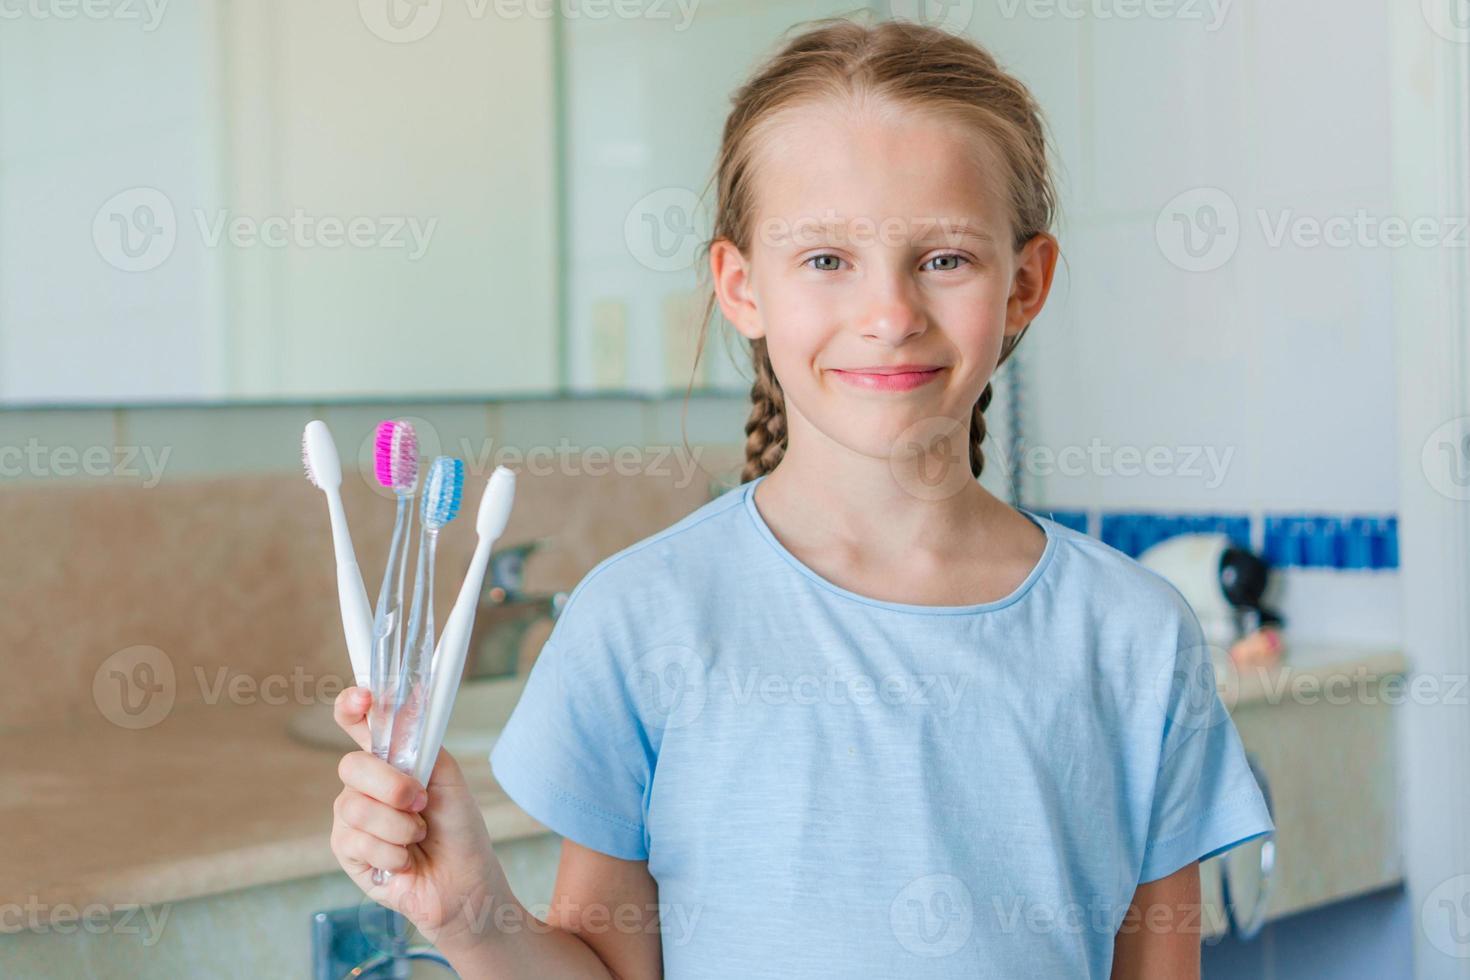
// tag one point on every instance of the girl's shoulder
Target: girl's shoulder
(689, 554)
(1112, 585)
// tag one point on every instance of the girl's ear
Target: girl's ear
(1036, 263)
(731, 274)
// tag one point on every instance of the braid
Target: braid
(977, 431)
(765, 428)
(977, 414)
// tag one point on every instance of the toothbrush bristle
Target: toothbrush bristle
(319, 454)
(396, 455)
(306, 462)
(442, 491)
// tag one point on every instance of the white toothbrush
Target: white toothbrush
(324, 469)
(449, 657)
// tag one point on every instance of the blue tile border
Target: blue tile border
(1133, 532)
(1351, 542)
(1074, 519)
(1332, 541)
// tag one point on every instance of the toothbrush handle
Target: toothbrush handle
(414, 666)
(413, 678)
(424, 724)
(357, 615)
(382, 750)
(449, 663)
(449, 657)
(355, 619)
(404, 721)
(388, 635)
(380, 712)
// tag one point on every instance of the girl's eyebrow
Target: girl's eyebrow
(950, 234)
(945, 229)
(951, 229)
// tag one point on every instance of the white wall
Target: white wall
(1326, 369)
(90, 108)
(455, 127)
(646, 102)
(1276, 358)
(258, 112)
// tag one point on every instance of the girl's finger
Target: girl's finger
(360, 847)
(373, 777)
(382, 821)
(350, 711)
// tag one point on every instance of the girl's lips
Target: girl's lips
(901, 381)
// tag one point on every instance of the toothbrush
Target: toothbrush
(449, 658)
(396, 463)
(443, 488)
(324, 470)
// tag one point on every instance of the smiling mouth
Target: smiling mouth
(905, 377)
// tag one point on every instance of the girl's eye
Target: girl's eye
(948, 256)
(834, 262)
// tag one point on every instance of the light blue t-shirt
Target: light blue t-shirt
(829, 785)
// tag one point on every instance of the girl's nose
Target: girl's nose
(893, 314)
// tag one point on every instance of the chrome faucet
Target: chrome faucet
(505, 614)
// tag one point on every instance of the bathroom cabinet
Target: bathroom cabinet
(1321, 729)
(229, 851)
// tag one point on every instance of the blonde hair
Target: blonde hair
(906, 64)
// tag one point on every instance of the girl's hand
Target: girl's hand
(434, 842)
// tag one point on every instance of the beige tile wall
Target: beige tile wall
(203, 539)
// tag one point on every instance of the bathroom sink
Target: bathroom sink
(480, 712)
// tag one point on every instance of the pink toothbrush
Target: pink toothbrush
(396, 463)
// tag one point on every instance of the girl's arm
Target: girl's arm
(1160, 935)
(603, 923)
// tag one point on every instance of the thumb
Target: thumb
(350, 712)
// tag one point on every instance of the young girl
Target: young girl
(856, 717)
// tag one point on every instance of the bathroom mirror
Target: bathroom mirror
(224, 202)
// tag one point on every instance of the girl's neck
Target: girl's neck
(859, 528)
(845, 499)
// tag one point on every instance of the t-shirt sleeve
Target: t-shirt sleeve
(572, 754)
(1206, 798)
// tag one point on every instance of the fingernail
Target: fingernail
(420, 801)
(423, 831)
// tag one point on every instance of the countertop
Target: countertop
(1308, 671)
(212, 799)
(219, 797)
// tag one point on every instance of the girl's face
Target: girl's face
(881, 244)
